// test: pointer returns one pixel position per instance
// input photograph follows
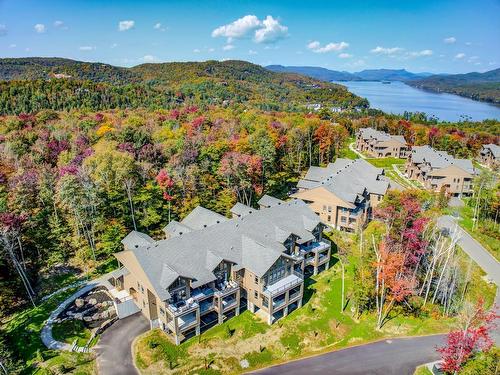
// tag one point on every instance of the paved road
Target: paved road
(396, 356)
(474, 249)
(114, 351)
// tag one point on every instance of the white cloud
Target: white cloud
(196, 50)
(12, 45)
(268, 30)
(228, 47)
(126, 25)
(450, 40)
(211, 50)
(345, 55)
(460, 55)
(87, 48)
(252, 52)
(468, 43)
(271, 31)
(240, 28)
(316, 47)
(60, 25)
(386, 51)
(3, 30)
(425, 52)
(40, 28)
(158, 26)
(491, 63)
(114, 45)
(149, 58)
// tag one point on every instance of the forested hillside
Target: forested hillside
(33, 84)
(477, 86)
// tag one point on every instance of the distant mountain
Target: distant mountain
(322, 74)
(478, 86)
(365, 75)
(386, 75)
(31, 84)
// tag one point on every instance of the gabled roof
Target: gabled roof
(254, 241)
(380, 136)
(347, 179)
(257, 257)
(438, 159)
(239, 209)
(201, 218)
(494, 149)
(174, 228)
(136, 239)
(268, 201)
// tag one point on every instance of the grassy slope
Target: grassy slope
(317, 327)
(24, 330)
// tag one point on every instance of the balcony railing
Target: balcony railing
(316, 246)
(294, 281)
(229, 288)
(182, 307)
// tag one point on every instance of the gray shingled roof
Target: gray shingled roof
(174, 228)
(348, 179)
(495, 149)
(438, 159)
(380, 136)
(240, 209)
(201, 218)
(268, 201)
(253, 241)
(136, 239)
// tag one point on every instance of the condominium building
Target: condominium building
(438, 170)
(490, 155)
(210, 268)
(380, 144)
(343, 193)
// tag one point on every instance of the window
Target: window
(329, 208)
(256, 280)
(343, 219)
(162, 312)
(143, 304)
(324, 207)
(329, 218)
(256, 294)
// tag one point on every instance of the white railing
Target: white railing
(179, 310)
(289, 285)
(230, 288)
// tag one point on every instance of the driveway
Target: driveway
(396, 356)
(114, 351)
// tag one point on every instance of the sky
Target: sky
(437, 36)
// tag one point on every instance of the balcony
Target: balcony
(200, 294)
(227, 288)
(316, 246)
(206, 306)
(288, 282)
(229, 303)
(184, 322)
(182, 307)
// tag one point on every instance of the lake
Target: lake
(397, 98)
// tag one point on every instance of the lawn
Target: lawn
(317, 327)
(422, 370)
(23, 330)
(346, 152)
(385, 162)
(71, 330)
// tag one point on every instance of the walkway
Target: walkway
(353, 149)
(46, 334)
(396, 356)
(114, 350)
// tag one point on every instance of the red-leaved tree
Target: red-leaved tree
(473, 337)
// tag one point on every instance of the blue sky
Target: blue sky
(434, 36)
